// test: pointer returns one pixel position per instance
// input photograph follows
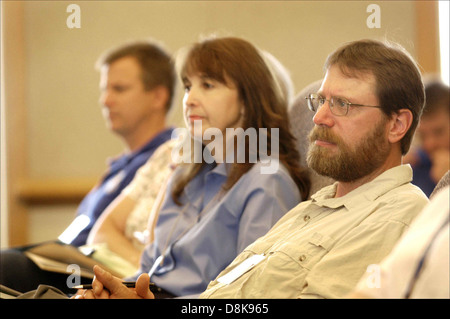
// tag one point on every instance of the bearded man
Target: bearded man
(366, 112)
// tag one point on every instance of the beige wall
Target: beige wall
(64, 123)
(64, 132)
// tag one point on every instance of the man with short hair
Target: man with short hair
(137, 83)
(367, 109)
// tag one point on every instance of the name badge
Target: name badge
(241, 269)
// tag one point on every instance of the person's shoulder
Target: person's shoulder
(402, 204)
(259, 175)
(406, 193)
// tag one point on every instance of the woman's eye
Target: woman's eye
(207, 85)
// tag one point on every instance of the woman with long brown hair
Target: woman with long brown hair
(221, 202)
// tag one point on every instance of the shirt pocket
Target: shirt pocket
(307, 252)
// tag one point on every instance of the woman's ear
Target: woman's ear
(400, 124)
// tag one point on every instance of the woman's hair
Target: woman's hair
(233, 59)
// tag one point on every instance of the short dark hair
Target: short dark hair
(437, 96)
(398, 79)
(156, 64)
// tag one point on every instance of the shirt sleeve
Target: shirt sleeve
(275, 195)
(146, 174)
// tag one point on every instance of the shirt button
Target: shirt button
(306, 218)
(302, 258)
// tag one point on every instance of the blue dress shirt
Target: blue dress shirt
(121, 172)
(201, 237)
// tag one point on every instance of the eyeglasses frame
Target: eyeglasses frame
(310, 106)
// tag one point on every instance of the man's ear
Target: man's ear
(400, 123)
(160, 95)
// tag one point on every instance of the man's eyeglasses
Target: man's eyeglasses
(338, 106)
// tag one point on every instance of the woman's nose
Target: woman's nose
(190, 97)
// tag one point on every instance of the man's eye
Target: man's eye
(341, 103)
(120, 88)
(187, 88)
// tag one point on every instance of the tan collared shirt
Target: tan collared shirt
(322, 247)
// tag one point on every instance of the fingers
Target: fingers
(78, 294)
(104, 279)
(142, 287)
(89, 294)
(97, 286)
(105, 285)
(98, 290)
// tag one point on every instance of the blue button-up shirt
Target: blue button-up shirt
(195, 251)
(121, 172)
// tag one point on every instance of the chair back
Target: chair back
(443, 182)
(301, 123)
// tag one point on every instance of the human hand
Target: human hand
(106, 286)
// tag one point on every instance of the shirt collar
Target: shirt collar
(370, 191)
(157, 140)
(154, 142)
(221, 169)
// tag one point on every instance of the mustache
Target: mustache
(323, 134)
